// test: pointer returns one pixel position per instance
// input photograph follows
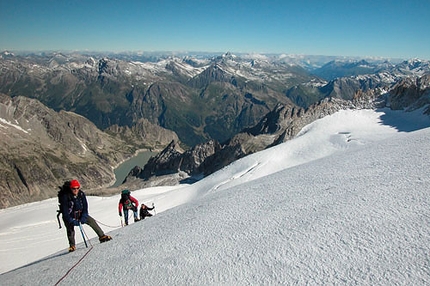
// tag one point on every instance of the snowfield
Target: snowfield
(345, 202)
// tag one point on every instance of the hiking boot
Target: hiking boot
(136, 219)
(72, 248)
(104, 238)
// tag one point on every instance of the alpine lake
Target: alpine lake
(124, 168)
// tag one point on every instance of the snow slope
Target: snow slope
(346, 202)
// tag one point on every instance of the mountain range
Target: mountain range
(93, 111)
(198, 98)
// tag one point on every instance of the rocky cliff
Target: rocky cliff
(40, 148)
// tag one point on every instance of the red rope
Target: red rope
(77, 263)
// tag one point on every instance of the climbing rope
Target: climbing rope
(86, 253)
(110, 226)
(79, 261)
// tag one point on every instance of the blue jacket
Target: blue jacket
(74, 207)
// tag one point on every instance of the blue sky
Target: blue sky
(342, 28)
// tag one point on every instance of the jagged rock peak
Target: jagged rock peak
(91, 62)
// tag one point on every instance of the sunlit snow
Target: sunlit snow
(346, 202)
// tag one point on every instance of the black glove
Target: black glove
(83, 220)
(120, 214)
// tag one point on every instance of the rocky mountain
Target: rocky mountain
(40, 148)
(410, 93)
(279, 125)
(199, 99)
(367, 77)
(337, 68)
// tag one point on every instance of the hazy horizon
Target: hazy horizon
(387, 29)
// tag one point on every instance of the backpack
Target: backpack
(126, 201)
(64, 189)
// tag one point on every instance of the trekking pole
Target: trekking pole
(155, 212)
(122, 223)
(83, 236)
